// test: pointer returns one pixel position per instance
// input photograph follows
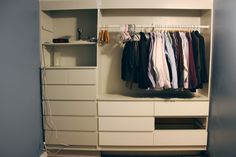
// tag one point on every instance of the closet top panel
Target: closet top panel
(157, 4)
(67, 4)
(124, 4)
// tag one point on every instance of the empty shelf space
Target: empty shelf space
(179, 123)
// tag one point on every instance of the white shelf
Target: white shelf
(64, 67)
(70, 43)
(118, 97)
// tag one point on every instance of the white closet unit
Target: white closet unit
(86, 104)
(69, 73)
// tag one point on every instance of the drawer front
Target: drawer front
(70, 108)
(125, 108)
(70, 123)
(182, 108)
(126, 124)
(125, 139)
(67, 92)
(81, 76)
(180, 138)
(71, 138)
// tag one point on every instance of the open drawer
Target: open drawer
(180, 132)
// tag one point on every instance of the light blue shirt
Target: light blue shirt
(170, 53)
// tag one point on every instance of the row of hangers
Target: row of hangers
(128, 31)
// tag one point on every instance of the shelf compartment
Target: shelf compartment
(64, 24)
(180, 123)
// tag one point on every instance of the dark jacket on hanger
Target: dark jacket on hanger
(142, 79)
(130, 63)
(193, 82)
(180, 60)
(196, 51)
(203, 70)
(174, 46)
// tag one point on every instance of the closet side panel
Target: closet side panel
(206, 19)
(46, 35)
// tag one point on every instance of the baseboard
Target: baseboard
(44, 154)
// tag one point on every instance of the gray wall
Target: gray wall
(20, 111)
(223, 103)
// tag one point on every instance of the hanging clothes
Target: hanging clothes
(162, 60)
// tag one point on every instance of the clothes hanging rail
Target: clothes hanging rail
(159, 26)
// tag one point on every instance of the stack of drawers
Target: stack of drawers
(69, 105)
(127, 123)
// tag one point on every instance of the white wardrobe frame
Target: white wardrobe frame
(90, 115)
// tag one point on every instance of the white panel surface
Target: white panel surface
(110, 108)
(180, 138)
(70, 123)
(157, 4)
(125, 139)
(70, 108)
(187, 108)
(70, 92)
(67, 4)
(82, 76)
(71, 138)
(126, 124)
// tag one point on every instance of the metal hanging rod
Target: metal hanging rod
(158, 26)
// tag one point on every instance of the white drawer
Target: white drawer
(180, 138)
(126, 124)
(200, 108)
(125, 139)
(70, 108)
(125, 108)
(70, 92)
(70, 123)
(71, 138)
(70, 76)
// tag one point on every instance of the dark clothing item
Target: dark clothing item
(180, 60)
(174, 46)
(193, 82)
(203, 70)
(130, 63)
(143, 62)
(196, 51)
(169, 67)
